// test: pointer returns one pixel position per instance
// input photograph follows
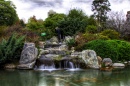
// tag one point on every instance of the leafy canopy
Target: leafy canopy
(8, 14)
(74, 22)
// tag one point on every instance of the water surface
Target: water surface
(89, 77)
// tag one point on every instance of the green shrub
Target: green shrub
(112, 34)
(124, 50)
(91, 29)
(2, 31)
(10, 49)
(102, 37)
(80, 41)
(115, 49)
(71, 43)
(90, 37)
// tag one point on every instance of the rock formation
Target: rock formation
(28, 56)
(90, 58)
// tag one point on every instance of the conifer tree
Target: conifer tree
(100, 9)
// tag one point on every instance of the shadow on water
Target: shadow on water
(89, 77)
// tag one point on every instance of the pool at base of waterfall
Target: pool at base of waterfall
(66, 77)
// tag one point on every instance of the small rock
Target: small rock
(107, 62)
(10, 66)
(99, 60)
(118, 65)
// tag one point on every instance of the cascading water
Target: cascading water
(44, 67)
(71, 65)
(65, 64)
(47, 66)
(46, 60)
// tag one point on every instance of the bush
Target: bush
(31, 36)
(112, 34)
(2, 29)
(11, 49)
(102, 37)
(71, 43)
(90, 37)
(115, 49)
(91, 29)
(80, 41)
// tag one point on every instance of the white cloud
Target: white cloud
(120, 5)
(40, 8)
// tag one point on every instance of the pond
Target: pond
(88, 77)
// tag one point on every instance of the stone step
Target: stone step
(53, 51)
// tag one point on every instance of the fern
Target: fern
(10, 49)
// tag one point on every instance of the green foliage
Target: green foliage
(90, 36)
(51, 23)
(58, 58)
(8, 14)
(112, 34)
(10, 49)
(91, 29)
(102, 37)
(100, 9)
(80, 41)
(71, 43)
(34, 24)
(2, 29)
(37, 27)
(91, 21)
(123, 49)
(115, 49)
(74, 22)
(22, 23)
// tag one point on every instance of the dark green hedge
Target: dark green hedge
(117, 50)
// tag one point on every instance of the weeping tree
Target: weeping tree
(100, 9)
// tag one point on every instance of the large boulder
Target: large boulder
(28, 56)
(90, 58)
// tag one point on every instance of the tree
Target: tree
(74, 22)
(34, 24)
(8, 14)
(100, 9)
(116, 21)
(52, 22)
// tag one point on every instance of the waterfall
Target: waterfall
(71, 65)
(43, 66)
(65, 64)
(77, 65)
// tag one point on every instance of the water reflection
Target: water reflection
(87, 77)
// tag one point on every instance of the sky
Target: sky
(40, 8)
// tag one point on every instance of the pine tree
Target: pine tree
(100, 9)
